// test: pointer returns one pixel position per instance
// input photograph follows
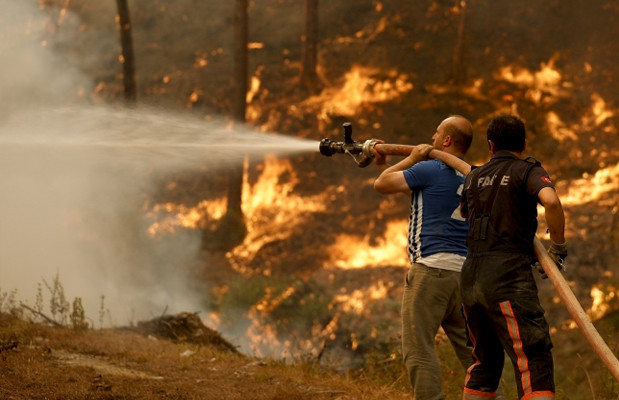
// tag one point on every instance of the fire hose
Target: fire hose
(361, 152)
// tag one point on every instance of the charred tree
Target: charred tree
(126, 58)
(309, 77)
(458, 72)
(240, 60)
(232, 230)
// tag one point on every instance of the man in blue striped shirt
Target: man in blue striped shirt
(436, 249)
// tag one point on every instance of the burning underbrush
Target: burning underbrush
(319, 275)
(297, 286)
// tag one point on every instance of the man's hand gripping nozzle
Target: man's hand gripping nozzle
(359, 151)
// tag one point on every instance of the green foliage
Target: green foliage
(102, 311)
(78, 316)
(63, 313)
(39, 299)
(58, 303)
(451, 368)
(288, 303)
(8, 302)
(238, 293)
(386, 369)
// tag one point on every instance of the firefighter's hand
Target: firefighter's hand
(558, 253)
(379, 158)
(538, 267)
(421, 152)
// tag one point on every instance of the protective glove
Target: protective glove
(538, 267)
(558, 253)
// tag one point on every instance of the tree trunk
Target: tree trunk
(240, 60)
(127, 58)
(309, 78)
(233, 229)
(458, 72)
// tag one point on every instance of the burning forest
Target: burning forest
(182, 198)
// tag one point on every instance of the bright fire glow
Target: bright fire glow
(603, 298)
(272, 210)
(591, 121)
(170, 216)
(546, 81)
(253, 88)
(350, 251)
(558, 129)
(598, 114)
(362, 85)
(590, 187)
(356, 301)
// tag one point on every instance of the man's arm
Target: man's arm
(452, 161)
(555, 218)
(392, 180)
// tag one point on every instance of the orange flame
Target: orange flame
(169, 216)
(272, 210)
(362, 85)
(591, 187)
(543, 83)
(350, 251)
(356, 301)
(603, 298)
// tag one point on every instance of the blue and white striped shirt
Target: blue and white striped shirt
(436, 229)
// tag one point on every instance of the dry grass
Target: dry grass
(45, 362)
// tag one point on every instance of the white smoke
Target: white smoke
(76, 177)
(75, 211)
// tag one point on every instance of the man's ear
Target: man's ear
(447, 141)
(491, 146)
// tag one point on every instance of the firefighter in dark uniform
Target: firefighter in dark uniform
(499, 293)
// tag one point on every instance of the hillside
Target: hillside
(43, 362)
(319, 273)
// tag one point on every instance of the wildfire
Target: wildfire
(356, 301)
(591, 187)
(272, 210)
(545, 82)
(598, 114)
(362, 85)
(169, 216)
(603, 300)
(592, 120)
(350, 251)
(558, 129)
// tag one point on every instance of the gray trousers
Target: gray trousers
(431, 299)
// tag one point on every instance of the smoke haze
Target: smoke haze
(76, 177)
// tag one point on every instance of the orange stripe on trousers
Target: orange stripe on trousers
(521, 358)
(470, 394)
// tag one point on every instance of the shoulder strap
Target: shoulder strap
(480, 224)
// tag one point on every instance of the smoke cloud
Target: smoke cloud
(71, 205)
(76, 178)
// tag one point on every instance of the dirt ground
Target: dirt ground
(46, 362)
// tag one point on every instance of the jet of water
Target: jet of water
(146, 138)
(75, 187)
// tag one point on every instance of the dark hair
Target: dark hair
(461, 133)
(507, 132)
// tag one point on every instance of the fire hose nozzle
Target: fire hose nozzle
(328, 147)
